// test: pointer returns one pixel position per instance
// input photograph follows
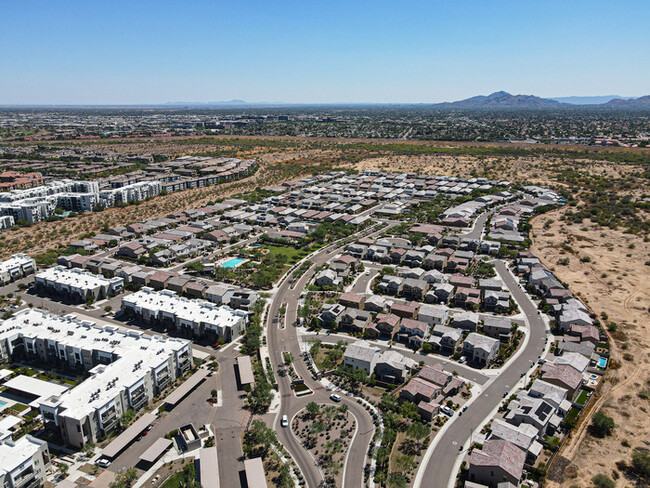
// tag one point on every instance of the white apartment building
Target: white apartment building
(23, 462)
(193, 317)
(134, 192)
(6, 222)
(16, 267)
(77, 284)
(127, 369)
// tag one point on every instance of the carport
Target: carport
(182, 391)
(156, 450)
(209, 468)
(125, 438)
(246, 376)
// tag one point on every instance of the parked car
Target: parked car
(447, 411)
(103, 463)
(285, 421)
(462, 359)
(335, 397)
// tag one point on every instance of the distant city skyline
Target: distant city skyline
(152, 53)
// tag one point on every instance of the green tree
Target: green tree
(88, 448)
(602, 425)
(418, 431)
(603, 481)
(313, 408)
(641, 463)
(127, 417)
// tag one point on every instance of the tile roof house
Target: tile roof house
(465, 321)
(523, 436)
(387, 323)
(418, 390)
(354, 300)
(406, 310)
(159, 279)
(496, 461)
(480, 349)
(564, 376)
(361, 355)
(393, 367)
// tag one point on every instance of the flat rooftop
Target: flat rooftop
(35, 389)
(195, 311)
(135, 351)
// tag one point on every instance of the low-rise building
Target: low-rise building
(23, 462)
(497, 461)
(77, 284)
(127, 369)
(361, 355)
(480, 349)
(197, 318)
(16, 267)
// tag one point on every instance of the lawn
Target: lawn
(572, 415)
(181, 478)
(582, 398)
(293, 255)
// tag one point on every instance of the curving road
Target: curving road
(282, 337)
(440, 470)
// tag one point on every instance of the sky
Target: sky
(153, 52)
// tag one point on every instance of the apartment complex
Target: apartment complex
(127, 369)
(197, 318)
(16, 267)
(77, 284)
(23, 462)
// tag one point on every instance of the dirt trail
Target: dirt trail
(608, 270)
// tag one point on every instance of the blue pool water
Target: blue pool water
(2, 404)
(602, 362)
(233, 263)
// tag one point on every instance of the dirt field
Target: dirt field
(615, 281)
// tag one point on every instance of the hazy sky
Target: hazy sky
(139, 51)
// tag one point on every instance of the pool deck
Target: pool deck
(224, 262)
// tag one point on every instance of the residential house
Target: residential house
(480, 349)
(393, 367)
(353, 300)
(498, 328)
(433, 314)
(361, 355)
(445, 339)
(495, 462)
(414, 289)
(328, 278)
(465, 320)
(407, 310)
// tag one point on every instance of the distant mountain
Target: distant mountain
(641, 102)
(236, 103)
(596, 100)
(502, 99)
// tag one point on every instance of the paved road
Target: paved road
(440, 469)
(479, 225)
(285, 339)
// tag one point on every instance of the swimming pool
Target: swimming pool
(232, 263)
(2, 404)
(602, 362)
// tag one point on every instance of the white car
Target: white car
(368, 273)
(103, 463)
(285, 421)
(462, 359)
(335, 397)
(447, 411)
